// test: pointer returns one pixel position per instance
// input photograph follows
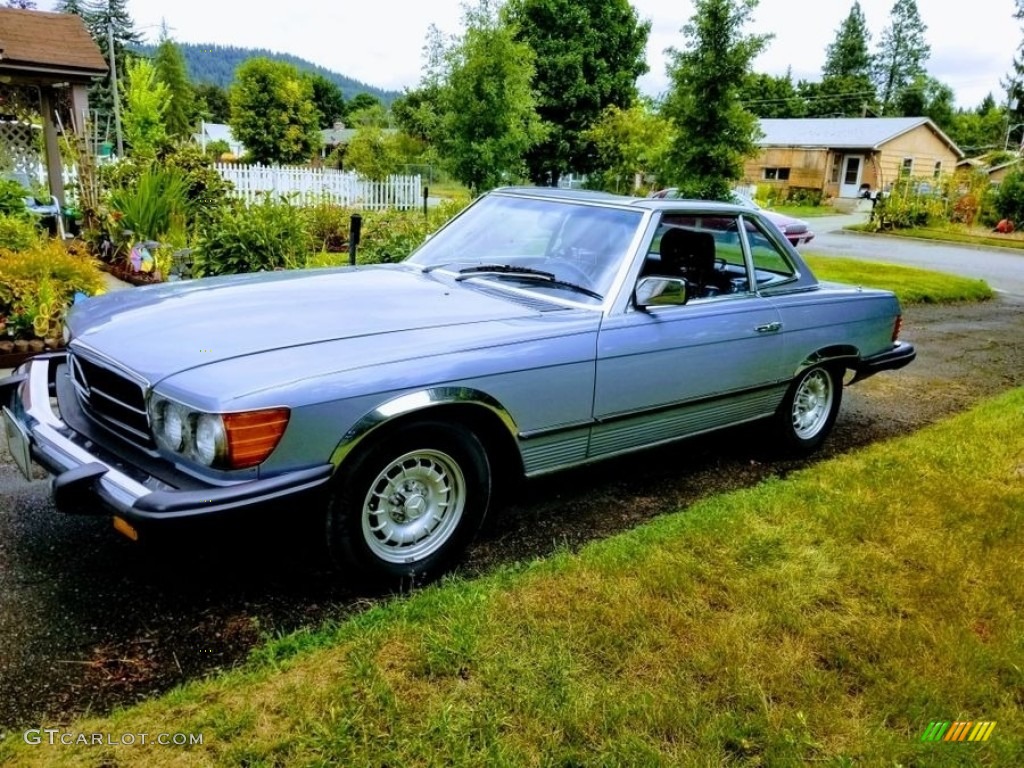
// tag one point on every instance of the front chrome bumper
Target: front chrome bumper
(82, 476)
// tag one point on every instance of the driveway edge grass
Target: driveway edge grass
(910, 284)
(1004, 243)
(828, 617)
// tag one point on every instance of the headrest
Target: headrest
(686, 250)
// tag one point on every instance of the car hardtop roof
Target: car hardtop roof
(589, 195)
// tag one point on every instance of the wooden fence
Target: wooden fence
(313, 185)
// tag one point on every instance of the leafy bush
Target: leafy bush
(804, 196)
(154, 205)
(12, 198)
(37, 286)
(266, 236)
(1009, 199)
(17, 232)
(328, 225)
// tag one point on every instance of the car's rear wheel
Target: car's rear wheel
(405, 509)
(810, 407)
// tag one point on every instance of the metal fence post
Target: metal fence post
(355, 229)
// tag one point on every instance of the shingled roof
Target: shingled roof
(844, 132)
(40, 42)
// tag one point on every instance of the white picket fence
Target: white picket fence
(314, 185)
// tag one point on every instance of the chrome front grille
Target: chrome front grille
(111, 399)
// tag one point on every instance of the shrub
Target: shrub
(154, 205)
(37, 286)
(17, 232)
(12, 198)
(804, 196)
(392, 235)
(328, 225)
(266, 236)
(1009, 199)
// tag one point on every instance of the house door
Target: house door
(853, 171)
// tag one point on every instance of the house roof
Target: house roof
(35, 41)
(334, 136)
(844, 132)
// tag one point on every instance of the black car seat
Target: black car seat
(690, 254)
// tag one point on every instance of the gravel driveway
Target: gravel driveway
(89, 620)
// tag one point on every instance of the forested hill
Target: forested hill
(216, 64)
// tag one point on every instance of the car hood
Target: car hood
(787, 224)
(161, 330)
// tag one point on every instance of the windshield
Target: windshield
(578, 247)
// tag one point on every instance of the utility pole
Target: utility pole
(113, 87)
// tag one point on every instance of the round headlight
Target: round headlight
(173, 426)
(210, 439)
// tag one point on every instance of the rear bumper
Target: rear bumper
(88, 479)
(901, 355)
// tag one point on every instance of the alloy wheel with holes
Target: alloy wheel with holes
(810, 407)
(405, 508)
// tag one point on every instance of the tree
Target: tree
(328, 99)
(416, 112)
(589, 54)
(145, 102)
(374, 153)
(170, 70)
(902, 53)
(488, 119)
(103, 17)
(361, 101)
(70, 6)
(846, 88)
(24, 5)
(928, 97)
(771, 96)
(848, 54)
(272, 112)
(631, 145)
(714, 133)
(213, 103)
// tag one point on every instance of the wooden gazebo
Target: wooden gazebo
(47, 63)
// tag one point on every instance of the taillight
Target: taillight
(252, 436)
(897, 326)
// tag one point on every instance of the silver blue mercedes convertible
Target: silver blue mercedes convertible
(536, 331)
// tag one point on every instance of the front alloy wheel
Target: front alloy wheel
(407, 507)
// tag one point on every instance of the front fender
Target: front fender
(418, 402)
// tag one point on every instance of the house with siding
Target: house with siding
(846, 157)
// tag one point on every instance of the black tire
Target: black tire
(403, 511)
(809, 410)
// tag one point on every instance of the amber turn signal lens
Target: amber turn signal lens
(252, 436)
(897, 327)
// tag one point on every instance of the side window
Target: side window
(705, 250)
(771, 265)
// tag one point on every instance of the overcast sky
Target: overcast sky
(380, 42)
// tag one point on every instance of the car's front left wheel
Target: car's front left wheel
(405, 509)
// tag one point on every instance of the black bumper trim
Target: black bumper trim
(901, 355)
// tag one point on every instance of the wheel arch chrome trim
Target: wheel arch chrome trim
(420, 402)
(839, 353)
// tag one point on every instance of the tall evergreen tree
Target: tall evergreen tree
(714, 133)
(213, 104)
(101, 17)
(848, 54)
(327, 97)
(772, 96)
(902, 52)
(170, 70)
(589, 54)
(71, 6)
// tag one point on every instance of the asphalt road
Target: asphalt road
(1003, 269)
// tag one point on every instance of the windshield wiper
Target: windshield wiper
(527, 273)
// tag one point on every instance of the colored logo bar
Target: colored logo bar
(961, 730)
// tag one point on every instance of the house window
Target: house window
(837, 167)
(908, 166)
(776, 174)
(938, 170)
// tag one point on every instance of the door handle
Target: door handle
(769, 328)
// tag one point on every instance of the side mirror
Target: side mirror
(660, 292)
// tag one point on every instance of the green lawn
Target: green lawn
(912, 286)
(973, 236)
(805, 211)
(823, 619)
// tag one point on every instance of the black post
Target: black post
(426, 194)
(354, 231)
